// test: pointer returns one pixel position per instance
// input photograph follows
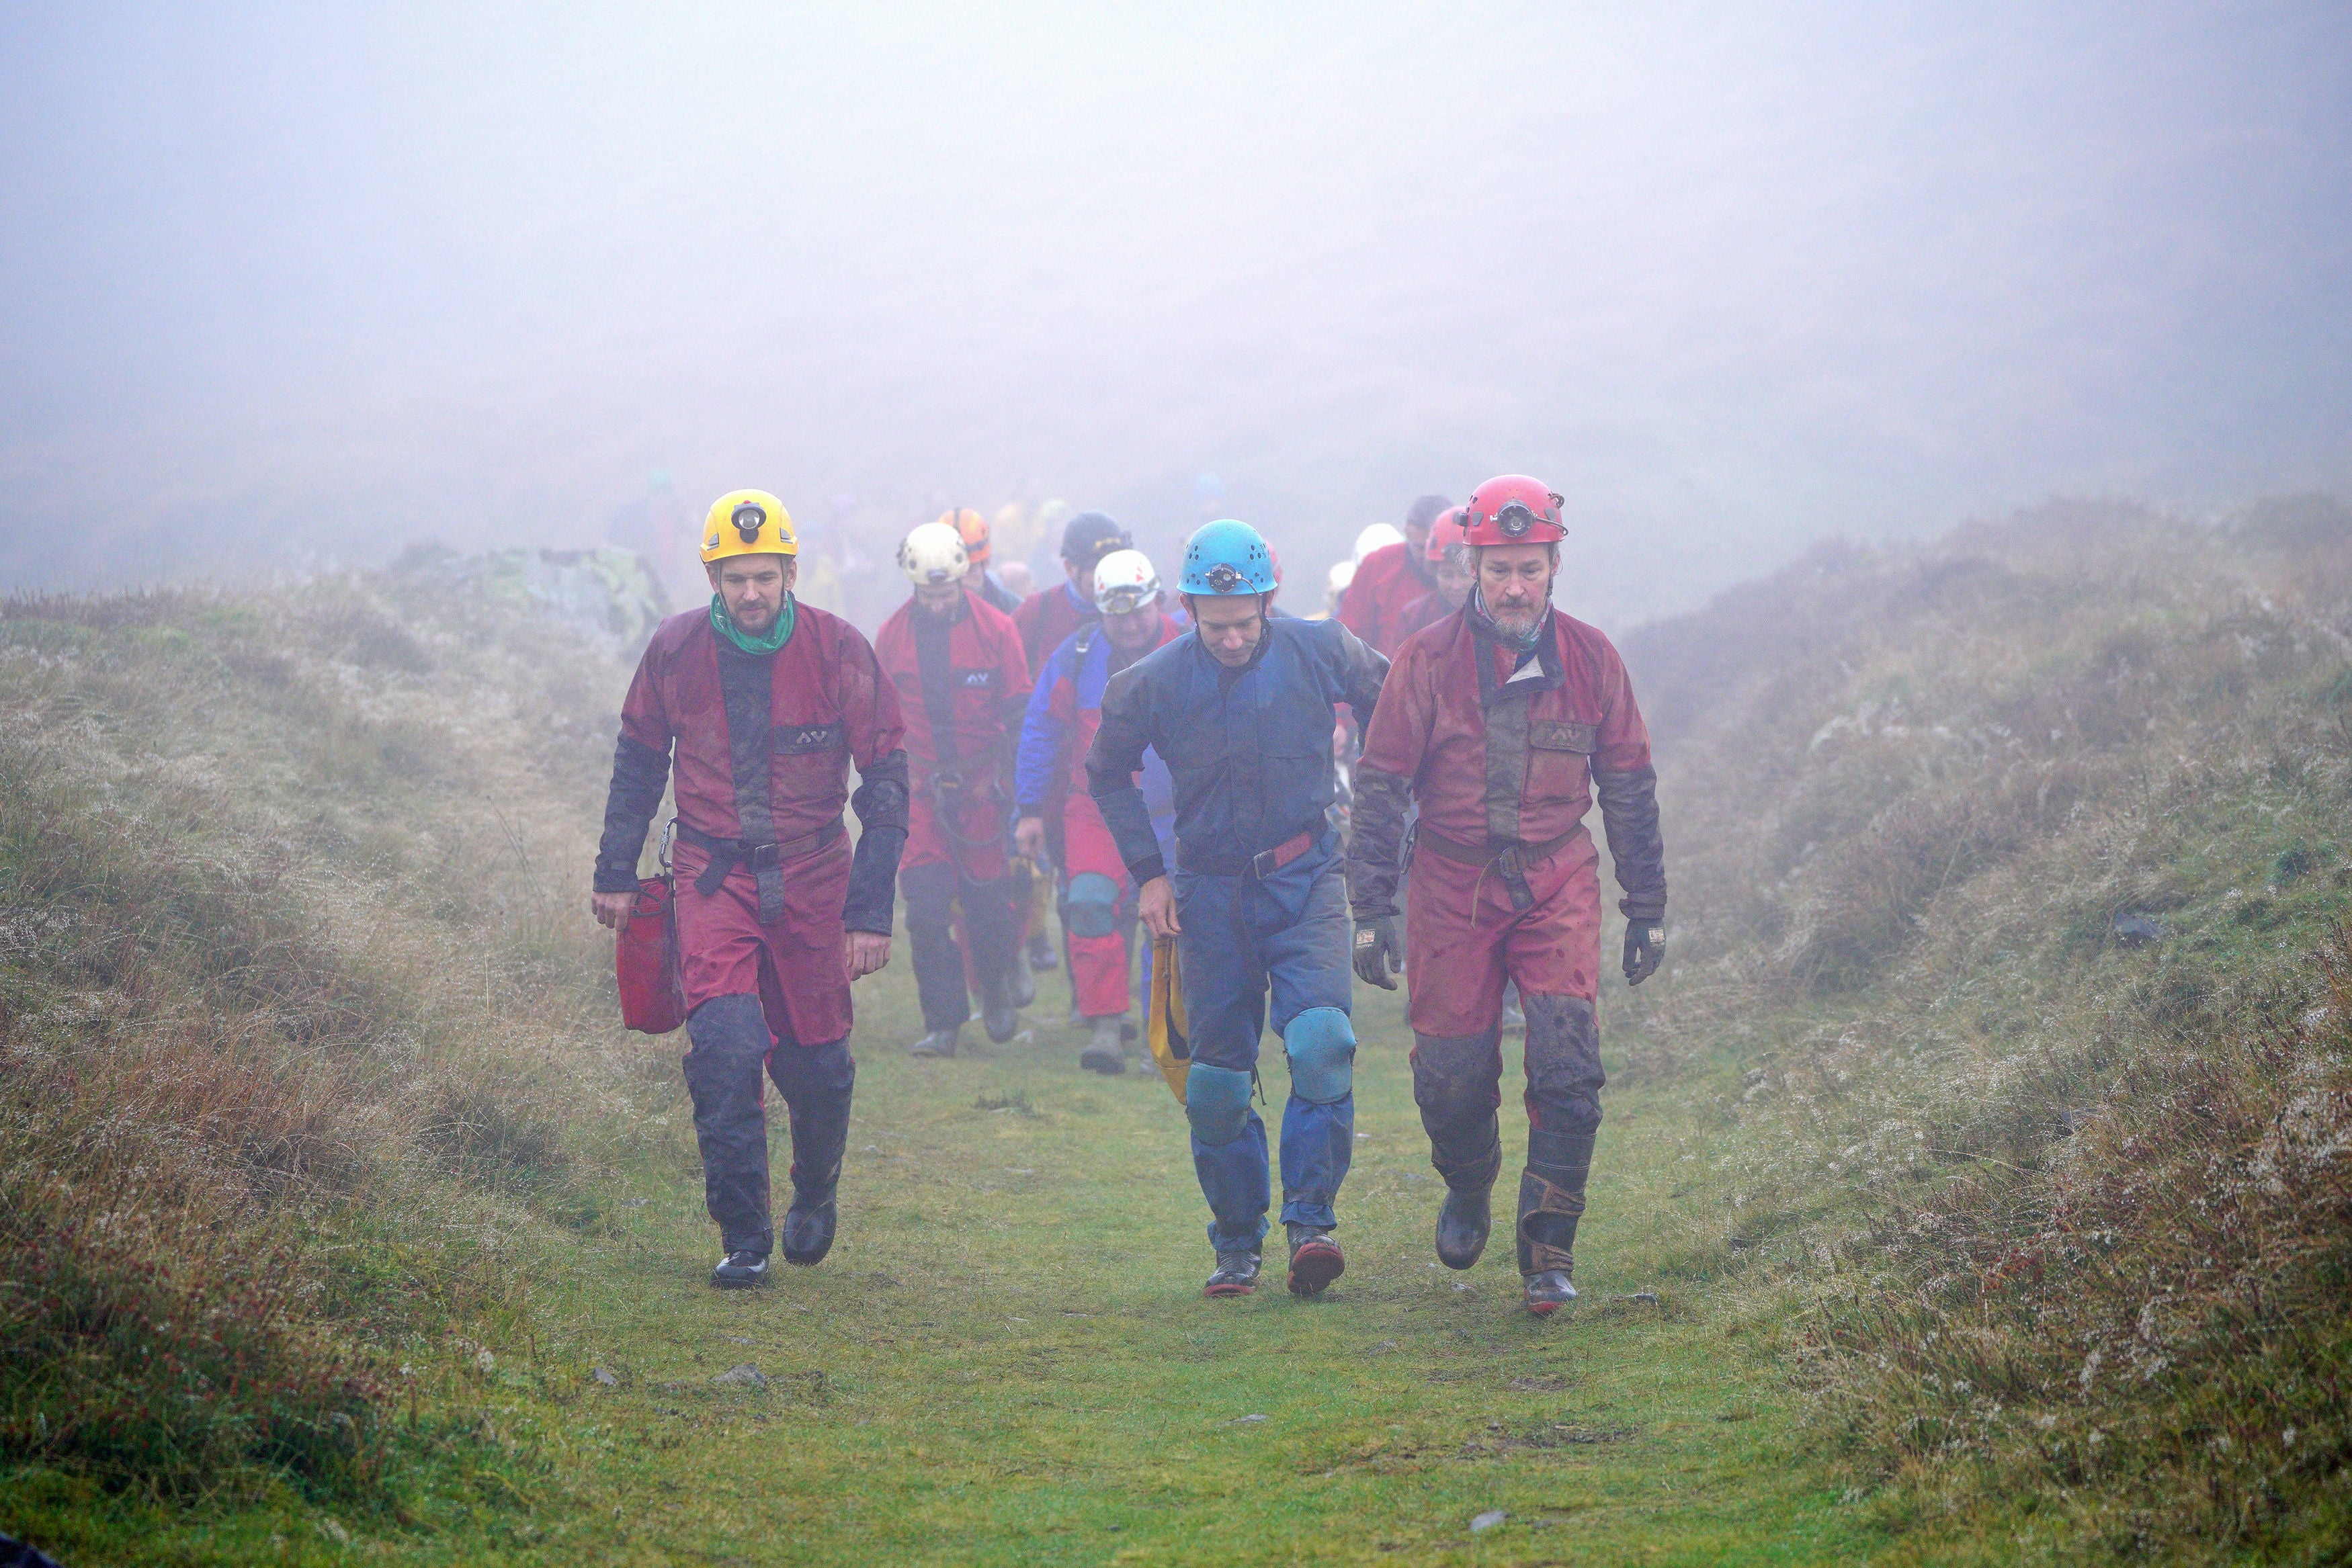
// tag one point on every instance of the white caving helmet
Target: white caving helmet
(1343, 573)
(932, 555)
(1123, 580)
(1375, 536)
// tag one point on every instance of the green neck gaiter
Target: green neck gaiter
(778, 635)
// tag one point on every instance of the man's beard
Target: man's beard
(1519, 619)
(754, 619)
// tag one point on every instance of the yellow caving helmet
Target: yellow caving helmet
(748, 522)
(972, 528)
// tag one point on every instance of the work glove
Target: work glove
(1645, 950)
(1380, 951)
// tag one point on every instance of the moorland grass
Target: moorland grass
(1931, 1223)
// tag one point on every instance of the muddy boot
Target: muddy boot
(1315, 1261)
(1042, 956)
(1548, 1291)
(1463, 1225)
(997, 1012)
(1551, 1200)
(817, 1086)
(1236, 1274)
(1105, 1053)
(939, 1043)
(740, 1270)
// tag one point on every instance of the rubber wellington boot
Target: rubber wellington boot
(1463, 1224)
(1548, 1291)
(1042, 956)
(1236, 1274)
(1315, 1261)
(1104, 1053)
(818, 1086)
(808, 1231)
(939, 1043)
(997, 1012)
(1551, 1201)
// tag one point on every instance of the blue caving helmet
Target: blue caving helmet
(1227, 556)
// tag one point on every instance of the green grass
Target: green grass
(294, 967)
(1006, 1359)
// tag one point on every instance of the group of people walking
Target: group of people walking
(1170, 757)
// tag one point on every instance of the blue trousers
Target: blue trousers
(1245, 941)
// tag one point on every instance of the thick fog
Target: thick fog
(289, 286)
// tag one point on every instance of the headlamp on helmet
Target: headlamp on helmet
(747, 522)
(1124, 581)
(1514, 509)
(933, 556)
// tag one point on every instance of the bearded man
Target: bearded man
(1502, 721)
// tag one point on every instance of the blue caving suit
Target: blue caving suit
(1260, 893)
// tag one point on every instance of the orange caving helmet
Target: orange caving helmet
(972, 528)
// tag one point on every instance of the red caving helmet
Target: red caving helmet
(1513, 509)
(1444, 534)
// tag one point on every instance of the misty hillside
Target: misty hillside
(2013, 878)
(314, 1093)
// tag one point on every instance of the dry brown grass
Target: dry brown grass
(1908, 791)
(287, 968)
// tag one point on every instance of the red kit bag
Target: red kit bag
(645, 961)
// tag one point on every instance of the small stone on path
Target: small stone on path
(743, 1376)
(1487, 1520)
(604, 1375)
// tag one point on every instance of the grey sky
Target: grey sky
(278, 280)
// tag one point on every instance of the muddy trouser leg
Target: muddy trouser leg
(1563, 1099)
(1308, 976)
(730, 1037)
(1458, 1082)
(931, 892)
(992, 926)
(816, 1082)
(1017, 876)
(1225, 1001)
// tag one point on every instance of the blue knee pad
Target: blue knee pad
(1322, 1046)
(1092, 898)
(1216, 1101)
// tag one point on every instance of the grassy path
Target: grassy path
(1007, 1359)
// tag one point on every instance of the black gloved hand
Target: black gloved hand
(1379, 951)
(1645, 950)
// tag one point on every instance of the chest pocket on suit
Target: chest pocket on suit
(1558, 735)
(1559, 752)
(803, 739)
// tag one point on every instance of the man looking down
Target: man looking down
(1241, 709)
(962, 683)
(762, 703)
(1502, 721)
(1450, 567)
(1064, 713)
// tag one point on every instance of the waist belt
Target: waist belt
(1511, 860)
(1264, 864)
(766, 861)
